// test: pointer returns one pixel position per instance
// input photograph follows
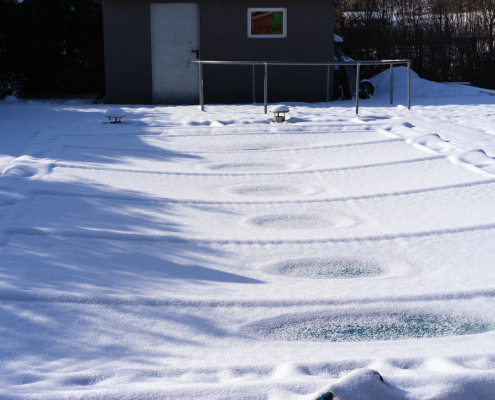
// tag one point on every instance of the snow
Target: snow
(115, 113)
(279, 108)
(420, 87)
(217, 255)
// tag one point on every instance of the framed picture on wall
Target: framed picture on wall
(267, 22)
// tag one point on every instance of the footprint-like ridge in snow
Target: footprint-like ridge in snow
(476, 157)
(21, 171)
(432, 141)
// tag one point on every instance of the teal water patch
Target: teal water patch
(266, 190)
(327, 268)
(376, 327)
(248, 167)
(292, 221)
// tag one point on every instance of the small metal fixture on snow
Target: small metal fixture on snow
(277, 110)
(115, 115)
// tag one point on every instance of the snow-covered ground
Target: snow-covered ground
(215, 255)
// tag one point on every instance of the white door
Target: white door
(174, 44)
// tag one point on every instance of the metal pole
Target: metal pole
(357, 87)
(201, 94)
(265, 94)
(254, 87)
(409, 85)
(328, 64)
(328, 83)
(391, 84)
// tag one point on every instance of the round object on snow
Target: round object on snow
(280, 108)
(366, 89)
(115, 113)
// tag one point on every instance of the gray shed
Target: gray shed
(149, 46)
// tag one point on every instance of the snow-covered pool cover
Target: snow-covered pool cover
(184, 255)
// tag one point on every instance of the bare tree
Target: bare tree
(446, 39)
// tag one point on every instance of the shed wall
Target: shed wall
(310, 28)
(127, 40)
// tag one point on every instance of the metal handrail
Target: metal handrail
(328, 64)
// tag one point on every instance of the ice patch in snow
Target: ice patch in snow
(268, 190)
(356, 327)
(300, 221)
(327, 268)
(249, 167)
(84, 380)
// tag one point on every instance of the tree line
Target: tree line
(447, 40)
(51, 48)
